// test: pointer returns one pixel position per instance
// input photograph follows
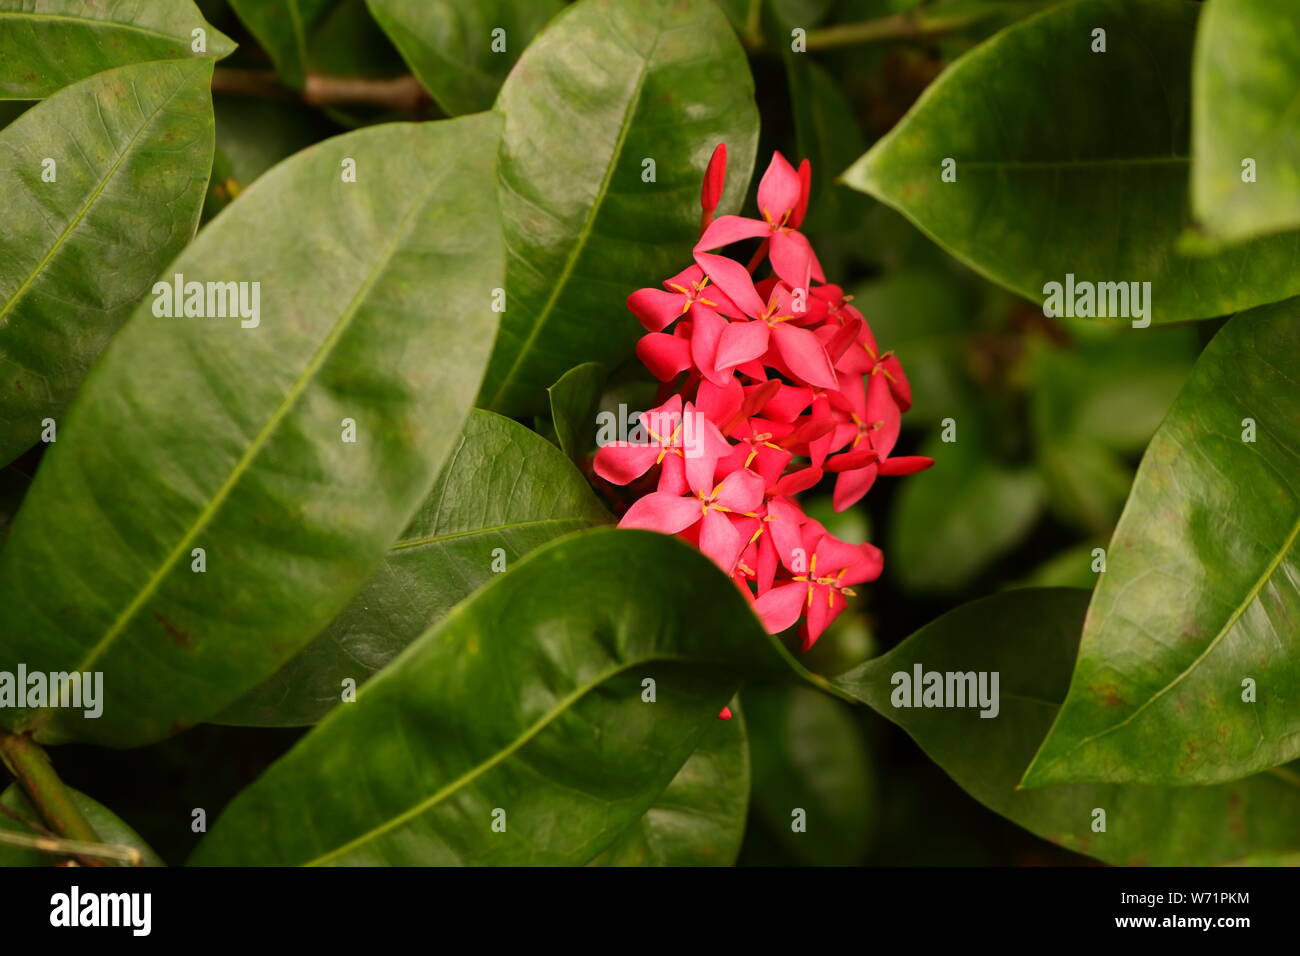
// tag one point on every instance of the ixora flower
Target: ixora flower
(770, 384)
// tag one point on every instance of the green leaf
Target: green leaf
(106, 823)
(494, 709)
(699, 820)
(1087, 178)
(657, 80)
(1202, 587)
(809, 754)
(1029, 638)
(131, 149)
(60, 42)
(504, 492)
(449, 43)
(375, 308)
(574, 398)
(1244, 78)
(959, 516)
(283, 28)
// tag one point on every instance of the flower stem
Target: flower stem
(77, 848)
(900, 26)
(402, 93)
(46, 792)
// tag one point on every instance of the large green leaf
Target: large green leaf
(132, 149)
(529, 699)
(107, 824)
(375, 309)
(699, 820)
(504, 492)
(1245, 76)
(1202, 584)
(50, 44)
(1087, 178)
(608, 85)
(1029, 638)
(809, 754)
(449, 43)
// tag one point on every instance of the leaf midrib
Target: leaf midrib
(93, 23)
(481, 768)
(146, 123)
(589, 224)
(1251, 596)
(263, 436)
(406, 545)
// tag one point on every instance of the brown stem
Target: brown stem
(402, 94)
(45, 791)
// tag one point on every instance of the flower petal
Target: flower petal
(779, 191)
(621, 462)
(661, 512)
(666, 356)
(780, 607)
(725, 230)
(742, 491)
(734, 280)
(905, 465)
(720, 540)
(656, 309)
(741, 342)
(851, 486)
(803, 353)
(715, 179)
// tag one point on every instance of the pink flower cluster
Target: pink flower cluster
(770, 384)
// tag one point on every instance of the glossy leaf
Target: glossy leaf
(201, 433)
(131, 150)
(491, 712)
(52, 44)
(449, 44)
(656, 80)
(1202, 587)
(1087, 178)
(574, 398)
(809, 754)
(106, 823)
(1245, 75)
(699, 820)
(504, 492)
(1029, 637)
